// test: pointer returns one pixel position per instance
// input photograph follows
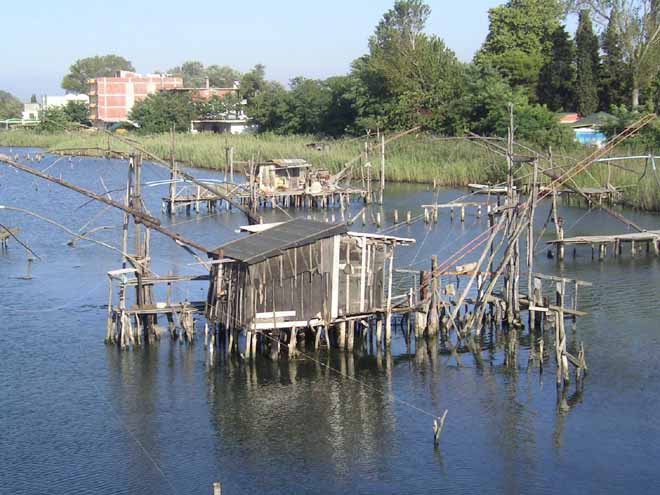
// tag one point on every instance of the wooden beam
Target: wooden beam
(148, 220)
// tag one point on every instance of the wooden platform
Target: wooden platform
(487, 189)
(650, 239)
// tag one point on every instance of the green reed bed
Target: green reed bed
(416, 158)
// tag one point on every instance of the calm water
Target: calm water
(79, 417)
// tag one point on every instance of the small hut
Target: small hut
(300, 274)
(282, 175)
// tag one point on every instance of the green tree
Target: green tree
(192, 72)
(485, 110)
(217, 107)
(159, 111)
(307, 106)
(268, 107)
(408, 77)
(10, 106)
(195, 75)
(557, 77)
(222, 76)
(89, 68)
(253, 82)
(77, 111)
(588, 66)
(615, 80)
(339, 117)
(639, 26)
(55, 119)
(33, 98)
(519, 40)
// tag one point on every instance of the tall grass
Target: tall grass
(419, 159)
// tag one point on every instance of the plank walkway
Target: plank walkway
(650, 238)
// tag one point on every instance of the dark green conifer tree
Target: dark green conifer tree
(557, 77)
(588, 66)
(616, 81)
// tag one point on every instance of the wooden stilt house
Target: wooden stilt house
(298, 274)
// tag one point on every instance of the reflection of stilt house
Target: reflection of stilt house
(301, 274)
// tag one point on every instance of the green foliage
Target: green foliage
(10, 106)
(222, 76)
(160, 111)
(33, 98)
(195, 74)
(89, 68)
(267, 109)
(339, 117)
(217, 107)
(408, 77)
(192, 72)
(615, 81)
(485, 110)
(648, 138)
(253, 82)
(557, 78)
(638, 25)
(519, 41)
(77, 111)
(55, 119)
(307, 104)
(588, 66)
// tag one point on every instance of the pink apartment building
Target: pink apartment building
(112, 98)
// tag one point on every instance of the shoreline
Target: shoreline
(409, 161)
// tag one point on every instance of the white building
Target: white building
(60, 101)
(30, 111)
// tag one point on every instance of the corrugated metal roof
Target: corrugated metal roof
(272, 242)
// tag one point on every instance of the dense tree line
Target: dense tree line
(409, 77)
(10, 106)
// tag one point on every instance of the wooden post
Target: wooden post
(396, 216)
(173, 176)
(433, 322)
(341, 337)
(388, 312)
(293, 342)
(560, 338)
(408, 217)
(367, 165)
(530, 241)
(382, 168)
(230, 163)
(109, 338)
(438, 426)
(350, 341)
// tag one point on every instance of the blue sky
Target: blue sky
(290, 37)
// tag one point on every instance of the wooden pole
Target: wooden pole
(530, 241)
(433, 321)
(153, 223)
(382, 168)
(173, 175)
(388, 313)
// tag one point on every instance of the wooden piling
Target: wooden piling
(433, 322)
